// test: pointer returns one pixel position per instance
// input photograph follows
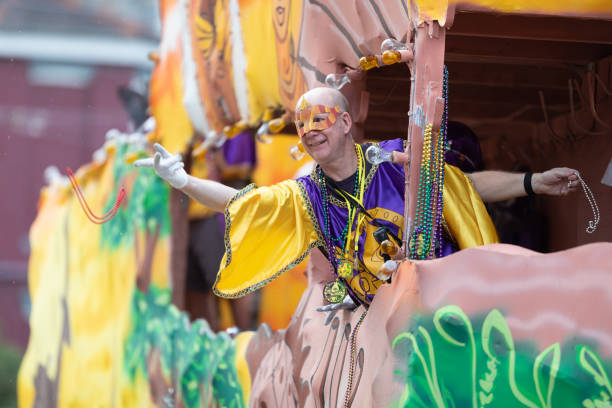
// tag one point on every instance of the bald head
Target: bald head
(325, 96)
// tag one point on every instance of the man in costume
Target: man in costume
(339, 206)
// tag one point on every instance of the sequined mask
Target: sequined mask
(314, 117)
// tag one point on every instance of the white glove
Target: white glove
(347, 304)
(387, 269)
(167, 166)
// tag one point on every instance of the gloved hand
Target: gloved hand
(346, 304)
(167, 166)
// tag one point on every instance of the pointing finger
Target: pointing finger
(148, 162)
(156, 159)
(161, 150)
(170, 160)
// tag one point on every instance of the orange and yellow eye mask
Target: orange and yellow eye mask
(314, 117)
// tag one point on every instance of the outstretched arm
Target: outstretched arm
(500, 185)
(170, 168)
(493, 185)
(209, 193)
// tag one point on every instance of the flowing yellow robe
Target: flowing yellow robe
(271, 229)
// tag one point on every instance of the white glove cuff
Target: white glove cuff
(179, 179)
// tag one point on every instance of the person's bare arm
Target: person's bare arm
(209, 193)
(169, 167)
(495, 185)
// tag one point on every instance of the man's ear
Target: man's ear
(347, 121)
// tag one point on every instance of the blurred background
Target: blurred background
(62, 66)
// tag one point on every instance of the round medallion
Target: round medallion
(334, 291)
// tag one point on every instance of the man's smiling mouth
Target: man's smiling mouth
(315, 144)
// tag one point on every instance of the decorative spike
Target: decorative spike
(263, 134)
(297, 152)
(376, 155)
(337, 81)
(391, 57)
(369, 62)
(391, 44)
(233, 130)
(276, 125)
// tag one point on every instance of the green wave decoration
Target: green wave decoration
(451, 360)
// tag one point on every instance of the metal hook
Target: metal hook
(592, 102)
(601, 83)
(556, 137)
(572, 115)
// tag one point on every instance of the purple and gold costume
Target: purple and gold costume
(271, 229)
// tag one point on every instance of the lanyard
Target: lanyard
(354, 210)
(350, 198)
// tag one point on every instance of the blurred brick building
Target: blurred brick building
(61, 63)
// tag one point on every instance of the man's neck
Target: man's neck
(343, 167)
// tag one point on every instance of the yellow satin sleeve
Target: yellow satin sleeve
(268, 230)
(464, 211)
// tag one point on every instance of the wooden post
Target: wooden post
(426, 106)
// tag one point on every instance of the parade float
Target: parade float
(494, 326)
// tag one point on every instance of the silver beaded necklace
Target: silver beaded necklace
(591, 199)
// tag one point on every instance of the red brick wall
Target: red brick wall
(42, 126)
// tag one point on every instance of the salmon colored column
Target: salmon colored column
(426, 106)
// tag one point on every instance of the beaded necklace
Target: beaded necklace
(439, 184)
(421, 238)
(427, 233)
(342, 237)
(335, 291)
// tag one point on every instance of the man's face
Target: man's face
(321, 129)
(314, 117)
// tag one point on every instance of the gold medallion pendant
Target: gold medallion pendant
(345, 270)
(334, 291)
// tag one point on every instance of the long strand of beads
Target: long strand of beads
(420, 202)
(333, 291)
(428, 198)
(422, 233)
(434, 194)
(421, 199)
(333, 261)
(432, 216)
(591, 199)
(442, 151)
(326, 232)
(441, 145)
(347, 395)
(88, 212)
(417, 215)
(428, 193)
